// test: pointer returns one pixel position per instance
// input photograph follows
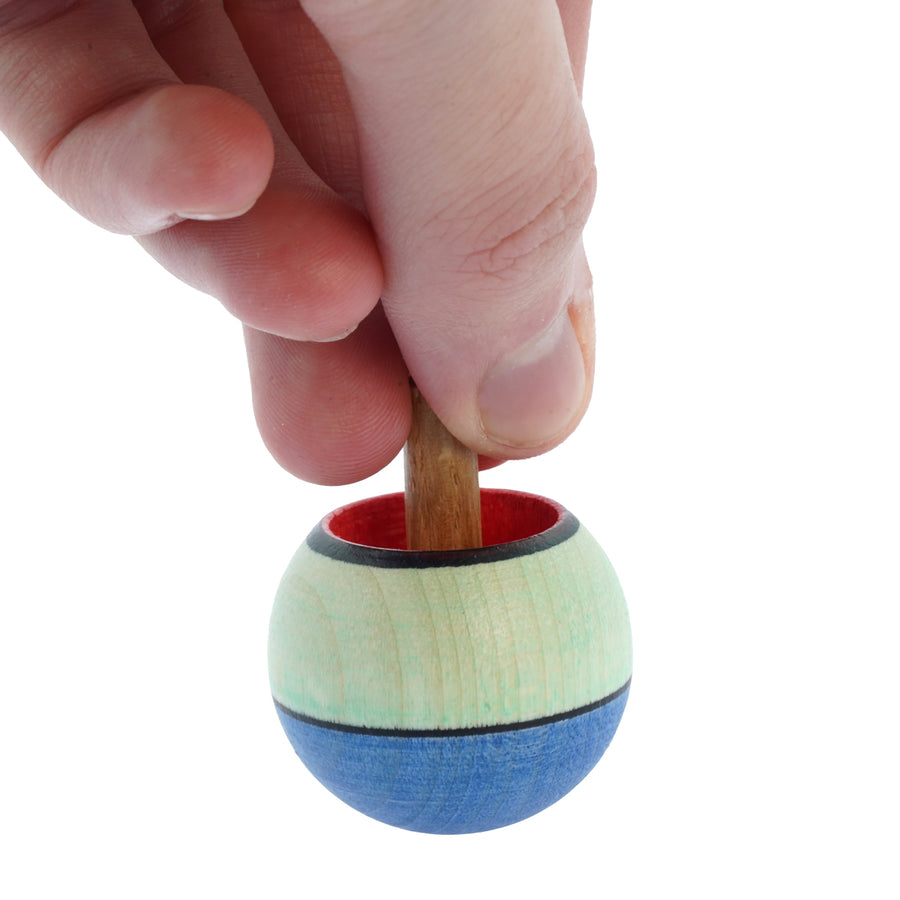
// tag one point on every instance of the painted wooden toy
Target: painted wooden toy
(443, 668)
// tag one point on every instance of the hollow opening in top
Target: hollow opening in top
(506, 516)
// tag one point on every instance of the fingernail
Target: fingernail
(531, 397)
(337, 337)
(215, 216)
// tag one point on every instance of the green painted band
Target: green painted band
(449, 647)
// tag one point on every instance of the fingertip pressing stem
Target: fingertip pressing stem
(443, 502)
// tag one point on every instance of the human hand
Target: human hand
(301, 163)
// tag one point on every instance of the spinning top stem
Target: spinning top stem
(443, 502)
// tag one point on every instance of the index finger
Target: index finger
(75, 77)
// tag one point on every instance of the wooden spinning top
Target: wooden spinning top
(455, 661)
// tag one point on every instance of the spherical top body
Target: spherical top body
(450, 691)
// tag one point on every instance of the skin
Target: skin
(375, 188)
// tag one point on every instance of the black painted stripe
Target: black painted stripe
(381, 558)
(453, 732)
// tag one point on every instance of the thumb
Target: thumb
(478, 176)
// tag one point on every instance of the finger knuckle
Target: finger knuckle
(164, 17)
(23, 15)
(529, 222)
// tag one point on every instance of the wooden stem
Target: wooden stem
(443, 502)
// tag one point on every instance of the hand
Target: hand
(303, 162)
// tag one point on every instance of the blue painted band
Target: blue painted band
(461, 783)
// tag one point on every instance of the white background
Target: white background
(739, 465)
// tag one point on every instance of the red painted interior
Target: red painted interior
(505, 516)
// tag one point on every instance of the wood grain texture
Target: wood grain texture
(443, 504)
(458, 646)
